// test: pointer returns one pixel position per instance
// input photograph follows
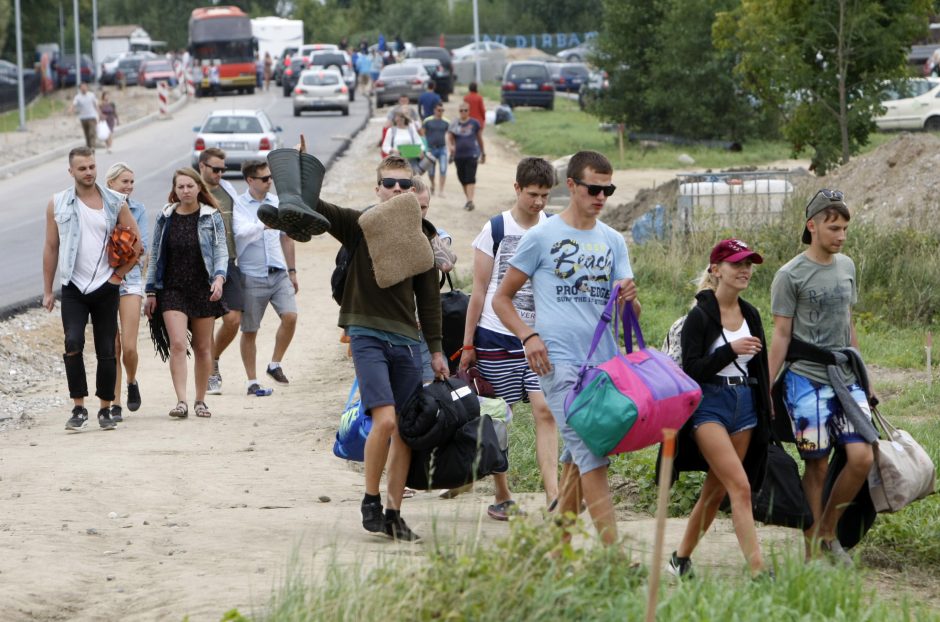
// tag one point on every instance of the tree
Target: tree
(824, 63)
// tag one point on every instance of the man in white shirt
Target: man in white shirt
(266, 260)
(85, 104)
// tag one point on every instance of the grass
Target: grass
(41, 108)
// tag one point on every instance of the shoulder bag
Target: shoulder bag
(902, 472)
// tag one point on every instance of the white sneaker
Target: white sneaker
(215, 385)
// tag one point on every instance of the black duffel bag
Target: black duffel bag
(781, 500)
(473, 453)
(435, 412)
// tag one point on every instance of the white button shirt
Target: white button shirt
(257, 248)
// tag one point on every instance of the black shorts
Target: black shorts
(466, 170)
(233, 292)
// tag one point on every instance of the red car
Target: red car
(157, 70)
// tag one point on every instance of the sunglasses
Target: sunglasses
(263, 180)
(389, 182)
(595, 189)
(215, 169)
(832, 195)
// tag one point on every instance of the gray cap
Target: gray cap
(822, 199)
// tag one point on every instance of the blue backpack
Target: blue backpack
(354, 427)
(498, 232)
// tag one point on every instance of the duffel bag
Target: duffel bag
(435, 412)
(475, 452)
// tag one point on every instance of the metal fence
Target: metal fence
(8, 97)
(739, 199)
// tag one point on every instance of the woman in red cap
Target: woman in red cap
(723, 349)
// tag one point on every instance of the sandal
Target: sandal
(201, 409)
(180, 411)
(502, 511)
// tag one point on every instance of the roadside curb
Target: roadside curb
(41, 158)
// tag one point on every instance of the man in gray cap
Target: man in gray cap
(811, 299)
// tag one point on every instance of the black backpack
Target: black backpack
(453, 321)
(343, 258)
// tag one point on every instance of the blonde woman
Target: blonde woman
(185, 280)
(120, 178)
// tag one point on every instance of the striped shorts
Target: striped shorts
(501, 361)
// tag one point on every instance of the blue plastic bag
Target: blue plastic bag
(354, 427)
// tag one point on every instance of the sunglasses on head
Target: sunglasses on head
(595, 189)
(832, 195)
(216, 169)
(264, 179)
(389, 182)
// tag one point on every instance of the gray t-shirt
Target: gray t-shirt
(819, 298)
(85, 105)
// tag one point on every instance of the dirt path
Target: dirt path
(162, 519)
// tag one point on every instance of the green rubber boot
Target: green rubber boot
(297, 220)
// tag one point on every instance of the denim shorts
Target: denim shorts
(441, 154)
(817, 416)
(388, 374)
(132, 284)
(555, 386)
(732, 406)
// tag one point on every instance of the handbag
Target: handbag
(477, 449)
(902, 472)
(623, 404)
(122, 246)
(354, 427)
(453, 321)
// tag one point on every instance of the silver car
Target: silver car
(241, 134)
(400, 79)
(321, 88)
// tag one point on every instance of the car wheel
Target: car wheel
(251, 90)
(345, 112)
(286, 91)
(551, 105)
(296, 112)
(932, 124)
(352, 95)
(445, 97)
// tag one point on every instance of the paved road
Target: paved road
(153, 152)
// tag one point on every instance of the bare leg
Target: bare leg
(226, 333)
(249, 350)
(377, 447)
(202, 353)
(596, 490)
(129, 312)
(176, 327)
(399, 459)
(546, 444)
(285, 333)
(468, 190)
(501, 481)
(440, 188)
(859, 458)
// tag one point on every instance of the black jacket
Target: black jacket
(702, 328)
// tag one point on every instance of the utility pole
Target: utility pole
(61, 29)
(78, 49)
(19, 66)
(476, 38)
(94, 39)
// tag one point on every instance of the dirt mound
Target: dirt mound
(896, 184)
(623, 216)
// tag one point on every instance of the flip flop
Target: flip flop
(502, 511)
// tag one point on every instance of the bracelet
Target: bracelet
(470, 347)
(529, 337)
(291, 270)
(151, 295)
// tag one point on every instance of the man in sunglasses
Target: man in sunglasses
(811, 299)
(573, 262)
(211, 169)
(385, 344)
(266, 260)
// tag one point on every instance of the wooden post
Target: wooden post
(620, 139)
(929, 350)
(665, 478)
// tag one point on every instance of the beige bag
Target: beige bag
(902, 472)
(397, 243)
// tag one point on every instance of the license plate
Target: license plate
(528, 87)
(233, 146)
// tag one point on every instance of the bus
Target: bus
(221, 35)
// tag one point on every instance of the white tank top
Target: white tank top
(91, 263)
(730, 371)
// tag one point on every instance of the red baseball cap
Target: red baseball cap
(733, 250)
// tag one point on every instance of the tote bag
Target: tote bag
(902, 472)
(623, 404)
(354, 427)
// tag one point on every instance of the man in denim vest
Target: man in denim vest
(79, 221)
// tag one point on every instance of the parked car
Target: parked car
(128, 71)
(289, 79)
(444, 76)
(595, 87)
(433, 67)
(156, 70)
(321, 88)
(283, 62)
(472, 50)
(65, 70)
(342, 61)
(568, 77)
(243, 134)
(911, 105)
(527, 83)
(109, 66)
(397, 80)
(577, 54)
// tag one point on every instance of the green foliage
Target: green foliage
(823, 63)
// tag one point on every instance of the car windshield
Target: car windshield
(159, 66)
(436, 53)
(395, 71)
(129, 64)
(232, 125)
(525, 72)
(319, 58)
(320, 79)
(576, 71)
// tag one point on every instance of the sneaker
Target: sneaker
(277, 374)
(215, 385)
(256, 390)
(372, 517)
(397, 529)
(833, 549)
(133, 397)
(469, 206)
(79, 419)
(680, 567)
(116, 414)
(104, 419)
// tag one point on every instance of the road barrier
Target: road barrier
(163, 90)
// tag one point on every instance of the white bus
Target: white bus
(276, 33)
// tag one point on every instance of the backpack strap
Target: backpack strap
(496, 229)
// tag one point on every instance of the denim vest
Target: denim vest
(139, 212)
(65, 209)
(211, 231)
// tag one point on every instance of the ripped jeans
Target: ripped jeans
(102, 306)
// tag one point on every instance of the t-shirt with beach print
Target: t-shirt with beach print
(572, 273)
(523, 301)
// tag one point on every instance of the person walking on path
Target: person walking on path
(266, 261)
(108, 112)
(79, 221)
(428, 101)
(435, 133)
(215, 80)
(268, 70)
(403, 133)
(811, 298)
(465, 144)
(185, 278)
(724, 350)
(85, 105)
(475, 101)
(498, 353)
(573, 261)
(211, 169)
(120, 178)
